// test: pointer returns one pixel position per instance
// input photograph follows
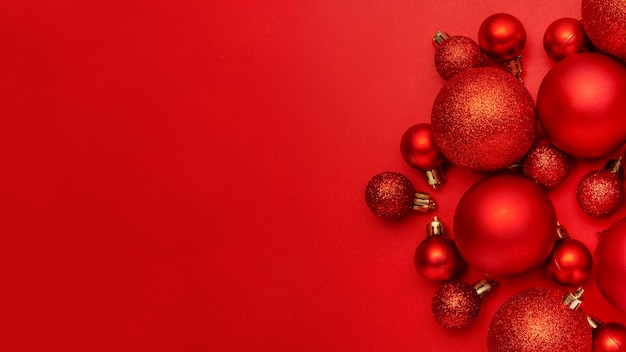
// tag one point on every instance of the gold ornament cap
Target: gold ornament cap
(561, 232)
(615, 166)
(439, 38)
(434, 177)
(514, 66)
(422, 202)
(435, 228)
(593, 322)
(573, 300)
(484, 287)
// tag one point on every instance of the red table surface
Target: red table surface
(189, 175)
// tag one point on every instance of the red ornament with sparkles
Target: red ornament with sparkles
(455, 54)
(609, 337)
(546, 165)
(570, 262)
(436, 258)
(580, 104)
(419, 150)
(540, 319)
(502, 36)
(565, 37)
(504, 225)
(600, 193)
(456, 304)
(605, 24)
(391, 195)
(483, 119)
(609, 265)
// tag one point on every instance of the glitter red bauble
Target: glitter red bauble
(418, 148)
(389, 195)
(609, 337)
(605, 24)
(437, 258)
(569, 263)
(483, 119)
(457, 54)
(581, 104)
(537, 320)
(609, 265)
(600, 193)
(546, 165)
(504, 225)
(565, 37)
(502, 36)
(455, 305)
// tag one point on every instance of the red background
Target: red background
(189, 176)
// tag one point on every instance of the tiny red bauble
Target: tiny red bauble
(436, 258)
(502, 36)
(609, 265)
(570, 262)
(391, 195)
(456, 304)
(419, 150)
(565, 37)
(609, 337)
(504, 225)
(537, 320)
(546, 165)
(600, 193)
(580, 104)
(605, 24)
(483, 119)
(456, 54)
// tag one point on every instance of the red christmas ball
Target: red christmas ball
(389, 195)
(455, 305)
(565, 37)
(546, 165)
(537, 320)
(569, 263)
(436, 258)
(483, 119)
(609, 337)
(504, 225)
(605, 24)
(609, 265)
(580, 104)
(418, 148)
(600, 193)
(457, 54)
(502, 36)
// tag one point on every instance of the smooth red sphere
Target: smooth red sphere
(570, 262)
(455, 305)
(609, 337)
(609, 265)
(605, 24)
(419, 149)
(565, 37)
(581, 103)
(502, 36)
(437, 258)
(504, 225)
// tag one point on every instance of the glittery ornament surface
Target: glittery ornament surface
(546, 165)
(455, 305)
(605, 24)
(537, 320)
(389, 195)
(600, 193)
(483, 119)
(457, 54)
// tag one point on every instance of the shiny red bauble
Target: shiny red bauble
(609, 337)
(455, 55)
(569, 263)
(565, 37)
(605, 24)
(600, 193)
(546, 165)
(436, 258)
(504, 225)
(418, 148)
(502, 36)
(609, 265)
(483, 119)
(581, 105)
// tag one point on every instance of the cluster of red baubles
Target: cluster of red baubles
(484, 120)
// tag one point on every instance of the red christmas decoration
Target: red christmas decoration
(419, 150)
(502, 37)
(456, 304)
(546, 165)
(391, 195)
(605, 24)
(504, 225)
(436, 258)
(565, 37)
(580, 104)
(483, 120)
(570, 262)
(540, 319)
(455, 54)
(600, 193)
(609, 265)
(608, 337)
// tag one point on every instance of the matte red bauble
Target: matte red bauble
(456, 54)
(419, 150)
(538, 320)
(391, 195)
(483, 119)
(609, 337)
(504, 225)
(609, 265)
(436, 258)
(581, 104)
(546, 165)
(565, 37)
(605, 24)
(502, 36)
(569, 263)
(456, 304)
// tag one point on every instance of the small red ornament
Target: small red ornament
(580, 104)
(546, 165)
(600, 193)
(419, 150)
(605, 24)
(436, 258)
(608, 337)
(540, 319)
(570, 262)
(391, 195)
(609, 265)
(503, 37)
(455, 54)
(565, 37)
(504, 225)
(483, 120)
(456, 304)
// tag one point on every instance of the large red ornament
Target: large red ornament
(391, 195)
(456, 304)
(483, 119)
(570, 262)
(605, 24)
(419, 150)
(537, 320)
(504, 225)
(546, 165)
(609, 337)
(455, 54)
(609, 265)
(581, 104)
(565, 37)
(502, 36)
(436, 258)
